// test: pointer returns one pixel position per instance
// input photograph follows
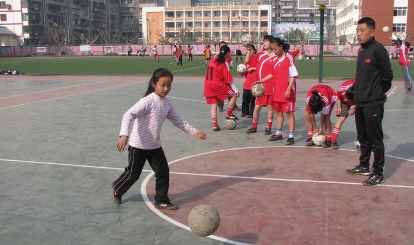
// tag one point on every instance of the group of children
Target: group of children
(274, 68)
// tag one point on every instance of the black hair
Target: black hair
(254, 48)
(282, 43)
(270, 38)
(160, 72)
(222, 43)
(350, 92)
(368, 21)
(407, 44)
(221, 57)
(315, 102)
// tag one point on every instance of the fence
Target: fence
(15, 51)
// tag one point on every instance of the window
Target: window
(400, 11)
(217, 13)
(399, 28)
(2, 5)
(189, 14)
(25, 16)
(3, 17)
(216, 23)
(190, 24)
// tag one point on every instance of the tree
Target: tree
(57, 36)
(111, 37)
(301, 36)
(88, 40)
(343, 39)
(19, 40)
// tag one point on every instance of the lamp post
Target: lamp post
(148, 32)
(322, 6)
(239, 30)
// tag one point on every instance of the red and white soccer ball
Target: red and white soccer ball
(318, 139)
(241, 68)
(246, 39)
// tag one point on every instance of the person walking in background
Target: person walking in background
(207, 54)
(155, 53)
(129, 50)
(405, 64)
(141, 126)
(219, 85)
(344, 103)
(372, 80)
(179, 55)
(190, 52)
(239, 55)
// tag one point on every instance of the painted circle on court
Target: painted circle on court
(291, 195)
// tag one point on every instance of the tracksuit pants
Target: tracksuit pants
(136, 160)
(368, 122)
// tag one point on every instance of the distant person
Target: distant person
(207, 54)
(155, 53)
(179, 54)
(190, 52)
(141, 129)
(239, 55)
(405, 64)
(129, 50)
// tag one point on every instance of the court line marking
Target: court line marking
(176, 223)
(188, 69)
(86, 92)
(44, 85)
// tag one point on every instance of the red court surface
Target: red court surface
(288, 195)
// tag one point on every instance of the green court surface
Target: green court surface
(333, 67)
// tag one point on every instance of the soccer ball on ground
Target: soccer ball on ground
(246, 39)
(231, 124)
(318, 139)
(258, 90)
(241, 68)
(301, 57)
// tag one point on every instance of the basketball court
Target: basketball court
(58, 158)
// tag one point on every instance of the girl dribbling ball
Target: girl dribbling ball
(146, 118)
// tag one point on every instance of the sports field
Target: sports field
(334, 67)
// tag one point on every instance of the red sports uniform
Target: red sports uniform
(328, 98)
(189, 50)
(294, 53)
(264, 66)
(341, 94)
(251, 75)
(283, 70)
(216, 82)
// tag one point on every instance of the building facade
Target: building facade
(398, 15)
(205, 24)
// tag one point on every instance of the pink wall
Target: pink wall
(162, 50)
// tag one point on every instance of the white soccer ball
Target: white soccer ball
(258, 90)
(241, 68)
(231, 124)
(357, 145)
(246, 39)
(318, 139)
(385, 29)
(301, 57)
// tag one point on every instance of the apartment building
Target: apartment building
(205, 24)
(398, 15)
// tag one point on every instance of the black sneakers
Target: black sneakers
(290, 141)
(334, 145)
(267, 131)
(232, 117)
(374, 179)
(216, 129)
(276, 137)
(358, 170)
(309, 142)
(168, 206)
(251, 130)
(326, 144)
(117, 198)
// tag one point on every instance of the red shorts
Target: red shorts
(155, 55)
(264, 100)
(284, 107)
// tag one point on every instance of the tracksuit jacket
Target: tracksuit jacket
(373, 74)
